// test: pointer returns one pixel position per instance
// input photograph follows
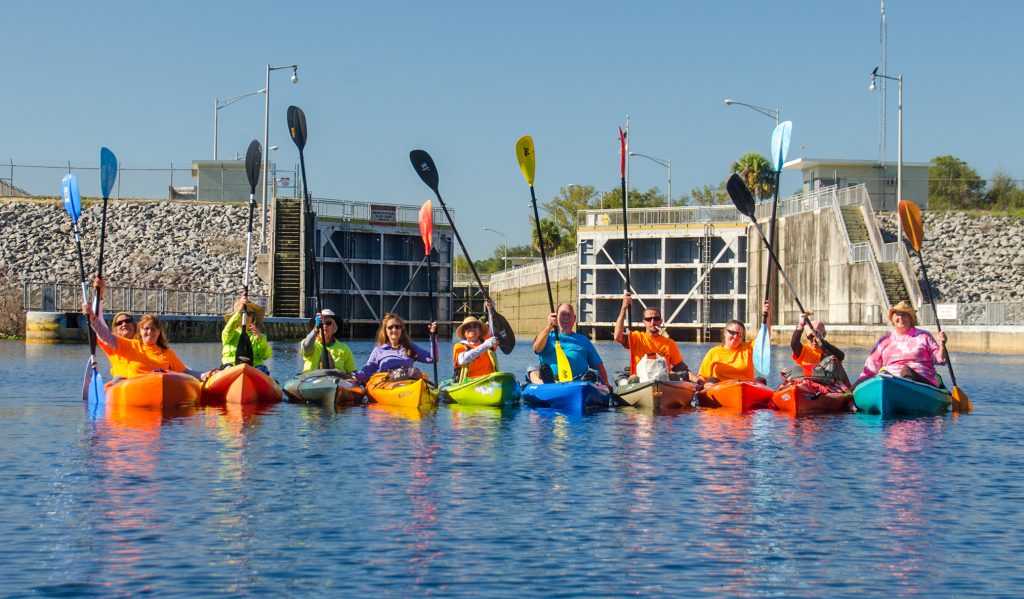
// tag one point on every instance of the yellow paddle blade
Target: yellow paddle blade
(527, 161)
(911, 223)
(961, 403)
(564, 370)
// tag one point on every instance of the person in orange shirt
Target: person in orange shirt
(474, 353)
(734, 359)
(808, 355)
(651, 340)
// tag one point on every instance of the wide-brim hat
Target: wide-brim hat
(905, 307)
(818, 327)
(471, 319)
(256, 309)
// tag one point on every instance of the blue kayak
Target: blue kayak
(573, 396)
(894, 396)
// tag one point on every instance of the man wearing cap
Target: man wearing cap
(906, 351)
(810, 354)
(340, 356)
(474, 353)
(232, 332)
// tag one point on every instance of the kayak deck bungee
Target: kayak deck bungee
(571, 395)
(326, 387)
(155, 390)
(655, 394)
(735, 395)
(494, 389)
(241, 384)
(411, 393)
(889, 395)
(803, 396)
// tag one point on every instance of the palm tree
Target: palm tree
(757, 173)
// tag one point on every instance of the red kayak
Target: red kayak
(801, 396)
(735, 395)
(241, 384)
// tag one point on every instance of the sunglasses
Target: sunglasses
(732, 332)
(652, 319)
(394, 327)
(471, 326)
(330, 323)
(122, 323)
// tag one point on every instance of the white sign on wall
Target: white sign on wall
(945, 311)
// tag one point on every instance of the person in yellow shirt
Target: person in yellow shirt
(734, 359)
(474, 353)
(340, 356)
(651, 340)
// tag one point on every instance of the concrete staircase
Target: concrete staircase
(286, 293)
(856, 227)
(892, 280)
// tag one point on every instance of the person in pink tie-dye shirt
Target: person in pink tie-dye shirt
(906, 351)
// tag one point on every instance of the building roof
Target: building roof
(800, 164)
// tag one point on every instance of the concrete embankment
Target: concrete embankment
(962, 338)
(69, 327)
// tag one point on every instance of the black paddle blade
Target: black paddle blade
(243, 354)
(297, 126)
(424, 165)
(253, 158)
(740, 195)
(503, 331)
(108, 171)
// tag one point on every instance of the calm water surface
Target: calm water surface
(297, 500)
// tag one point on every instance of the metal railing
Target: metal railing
(67, 297)
(374, 213)
(677, 215)
(978, 314)
(820, 198)
(560, 268)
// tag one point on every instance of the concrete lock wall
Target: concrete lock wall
(526, 308)
(70, 327)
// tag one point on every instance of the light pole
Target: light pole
(667, 163)
(504, 245)
(768, 112)
(218, 104)
(899, 151)
(266, 131)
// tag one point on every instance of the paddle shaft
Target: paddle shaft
(314, 278)
(85, 293)
(775, 259)
(462, 246)
(543, 254)
(931, 300)
(625, 252)
(430, 296)
(771, 243)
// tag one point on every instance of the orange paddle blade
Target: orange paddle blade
(911, 223)
(426, 226)
(961, 403)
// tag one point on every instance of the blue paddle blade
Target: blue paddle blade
(763, 351)
(70, 195)
(780, 144)
(108, 171)
(93, 392)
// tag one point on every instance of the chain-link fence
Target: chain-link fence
(67, 297)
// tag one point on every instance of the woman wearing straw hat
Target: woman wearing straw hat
(232, 332)
(474, 353)
(906, 351)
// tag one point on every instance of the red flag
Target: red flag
(426, 226)
(622, 153)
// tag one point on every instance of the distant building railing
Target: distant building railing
(676, 215)
(560, 268)
(67, 297)
(382, 214)
(464, 279)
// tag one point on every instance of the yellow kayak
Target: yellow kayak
(410, 393)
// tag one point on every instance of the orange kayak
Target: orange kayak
(241, 384)
(807, 396)
(735, 395)
(155, 390)
(410, 393)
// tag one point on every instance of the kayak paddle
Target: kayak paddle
(426, 231)
(92, 390)
(253, 156)
(424, 166)
(528, 164)
(297, 130)
(913, 229)
(623, 152)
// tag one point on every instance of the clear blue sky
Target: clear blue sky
(463, 80)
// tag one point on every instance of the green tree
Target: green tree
(554, 243)
(709, 195)
(1003, 192)
(757, 173)
(952, 183)
(652, 198)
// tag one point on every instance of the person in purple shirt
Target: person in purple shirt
(395, 349)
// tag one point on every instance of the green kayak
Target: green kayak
(495, 389)
(894, 396)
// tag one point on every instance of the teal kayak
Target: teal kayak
(894, 396)
(495, 389)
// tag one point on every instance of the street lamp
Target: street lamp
(768, 112)
(504, 245)
(266, 130)
(218, 104)
(899, 151)
(667, 163)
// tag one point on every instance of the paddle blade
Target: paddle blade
(740, 195)
(961, 403)
(780, 144)
(912, 223)
(564, 370)
(253, 158)
(527, 162)
(622, 153)
(93, 384)
(763, 351)
(501, 329)
(108, 171)
(426, 226)
(72, 199)
(297, 126)
(244, 354)
(425, 168)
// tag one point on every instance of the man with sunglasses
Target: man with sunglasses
(652, 341)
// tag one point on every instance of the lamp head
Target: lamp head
(728, 102)
(295, 74)
(874, 73)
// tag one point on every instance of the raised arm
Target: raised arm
(621, 335)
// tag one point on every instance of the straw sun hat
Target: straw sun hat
(905, 308)
(468, 320)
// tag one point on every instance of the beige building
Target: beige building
(880, 180)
